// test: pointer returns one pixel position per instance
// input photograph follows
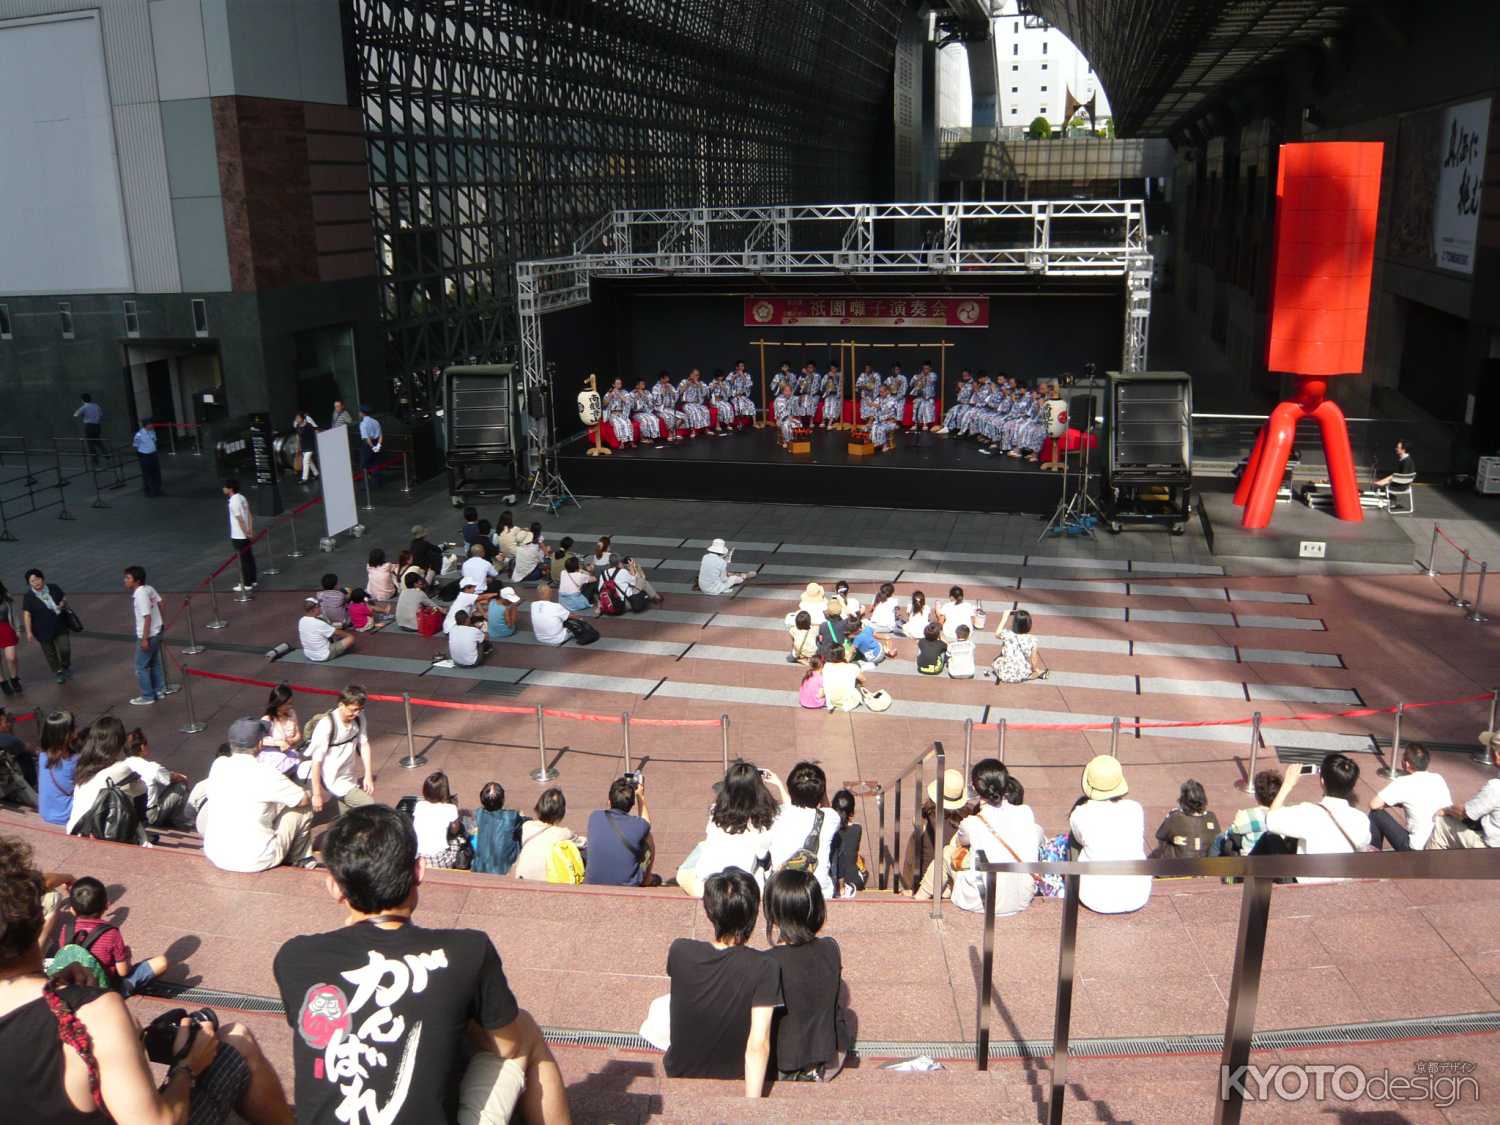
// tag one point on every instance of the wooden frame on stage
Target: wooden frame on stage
(850, 367)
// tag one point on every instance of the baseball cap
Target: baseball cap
(246, 733)
(509, 595)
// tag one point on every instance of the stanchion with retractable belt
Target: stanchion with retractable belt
(405, 471)
(724, 739)
(968, 746)
(412, 759)
(193, 647)
(1494, 700)
(1114, 737)
(1000, 739)
(1432, 553)
(1458, 601)
(625, 739)
(1249, 786)
(192, 726)
(291, 523)
(543, 773)
(270, 567)
(218, 621)
(1394, 769)
(1474, 615)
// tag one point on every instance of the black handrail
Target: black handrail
(1260, 874)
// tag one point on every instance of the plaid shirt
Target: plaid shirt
(1248, 825)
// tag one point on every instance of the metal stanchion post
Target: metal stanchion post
(62, 496)
(213, 602)
(192, 726)
(542, 773)
(412, 759)
(172, 431)
(270, 567)
(625, 731)
(1458, 599)
(367, 506)
(197, 441)
(1474, 615)
(1249, 786)
(405, 472)
(193, 647)
(1114, 737)
(1494, 699)
(968, 745)
(1432, 553)
(724, 739)
(1000, 740)
(291, 522)
(1394, 769)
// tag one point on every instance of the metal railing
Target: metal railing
(1458, 600)
(1259, 874)
(889, 861)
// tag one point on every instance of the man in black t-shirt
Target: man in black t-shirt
(1404, 464)
(723, 994)
(382, 1008)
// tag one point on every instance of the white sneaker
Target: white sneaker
(238, 588)
(141, 701)
(171, 689)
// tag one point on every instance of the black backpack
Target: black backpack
(113, 817)
(582, 632)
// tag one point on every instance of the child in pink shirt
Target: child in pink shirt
(810, 695)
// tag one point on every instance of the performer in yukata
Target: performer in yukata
(924, 391)
(866, 389)
(617, 403)
(808, 384)
(784, 408)
(982, 407)
(963, 399)
(692, 399)
(832, 396)
(664, 402)
(783, 378)
(643, 414)
(741, 389)
(722, 402)
(1031, 428)
(887, 423)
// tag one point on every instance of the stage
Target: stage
(924, 471)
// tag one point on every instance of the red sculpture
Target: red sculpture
(1327, 201)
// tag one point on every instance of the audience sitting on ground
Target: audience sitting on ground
(362, 614)
(560, 557)
(738, 833)
(640, 581)
(105, 942)
(714, 578)
(427, 555)
(380, 581)
(884, 614)
(548, 619)
(809, 1034)
(413, 600)
(1019, 659)
(723, 992)
(869, 648)
(339, 745)
(415, 1045)
(813, 603)
(621, 847)
(932, 651)
(530, 558)
(333, 601)
(918, 617)
(1328, 826)
(477, 568)
(849, 874)
(505, 535)
(1106, 826)
(14, 760)
(810, 694)
(104, 761)
(804, 829)
(467, 644)
(48, 1079)
(281, 744)
(842, 682)
(833, 634)
(470, 532)
(955, 612)
(465, 601)
(321, 641)
(1245, 830)
(850, 603)
(252, 816)
(57, 761)
(1189, 830)
(804, 634)
(1476, 822)
(922, 847)
(497, 832)
(570, 587)
(1421, 794)
(436, 818)
(600, 559)
(540, 836)
(961, 655)
(503, 615)
(1004, 832)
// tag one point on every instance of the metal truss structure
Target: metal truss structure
(496, 128)
(1033, 238)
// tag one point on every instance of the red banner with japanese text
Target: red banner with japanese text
(871, 312)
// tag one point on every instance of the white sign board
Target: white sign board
(339, 509)
(1455, 212)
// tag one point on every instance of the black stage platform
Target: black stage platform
(924, 471)
(1378, 538)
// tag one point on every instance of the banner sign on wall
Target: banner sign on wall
(867, 312)
(1455, 216)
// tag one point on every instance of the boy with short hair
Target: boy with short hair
(467, 645)
(961, 655)
(89, 901)
(333, 602)
(497, 832)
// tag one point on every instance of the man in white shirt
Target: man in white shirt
(320, 641)
(253, 817)
(1476, 822)
(1328, 827)
(371, 439)
(468, 595)
(478, 569)
(467, 646)
(338, 741)
(528, 557)
(1420, 793)
(803, 797)
(547, 617)
(713, 571)
(146, 609)
(241, 532)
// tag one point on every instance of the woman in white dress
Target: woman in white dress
(738, 832)
(1005, 833)
(918, 616)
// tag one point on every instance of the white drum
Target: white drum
(590, 407)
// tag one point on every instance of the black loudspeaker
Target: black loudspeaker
(1150, 427)
(477, 408)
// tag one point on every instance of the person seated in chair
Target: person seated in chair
(1404, 466)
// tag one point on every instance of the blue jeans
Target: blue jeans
(149, 670)
(575, 602)
(140, 976)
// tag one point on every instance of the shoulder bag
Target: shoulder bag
(805, 858)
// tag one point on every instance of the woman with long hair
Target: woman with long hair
(281, 746)
(1005, 831)
(103, 758)
(10, 670)
(57, 763)
(918, 616)
(738, 832)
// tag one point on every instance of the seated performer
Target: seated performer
(924, 390)
(741, 389)
(831, 392)
(887, 421)
(784, 405)
(866, 389)
(1031, 430)
(963, 399)
(783, 378)
(808, 385)
(984, 408)
(722, 402)
(617, 404)
(644, 415)
(692, 399)
(898, 382)
(664, 403)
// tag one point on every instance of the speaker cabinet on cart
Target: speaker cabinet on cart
(479, 423)
(1149, 449)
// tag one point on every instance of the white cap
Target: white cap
(509, 595)
(717, 547)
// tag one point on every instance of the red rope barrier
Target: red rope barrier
(1445, 537)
